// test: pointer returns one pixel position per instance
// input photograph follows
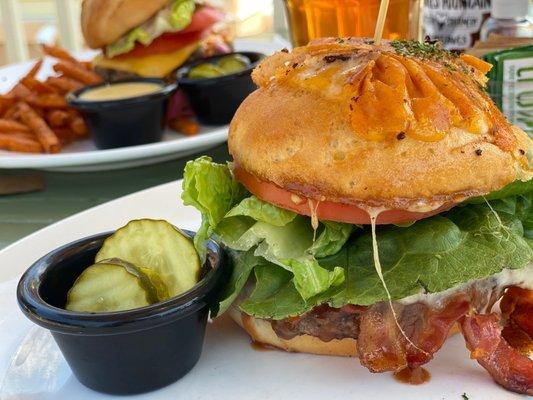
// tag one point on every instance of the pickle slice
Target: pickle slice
(158, 246)
(106, 287)
(150, 280)
(233, 63)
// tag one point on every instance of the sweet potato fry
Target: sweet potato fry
(64, 84)
(58, 52)
(65, 135)
(37, 86)
(78, 127)
(24, 135)
(32, 73)
(184, 125)
(87, 64)
(73, 113)
(75, 71)
(21, 135)
(12, 113)
(57, 118)
(19, 143)
(34, 113)
(44, 134)
(20, 91)
(9, 126)
(38, 111)
(47, 101)
(6, 102)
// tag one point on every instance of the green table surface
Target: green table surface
(65, 194)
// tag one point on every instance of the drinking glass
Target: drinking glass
(310, 19)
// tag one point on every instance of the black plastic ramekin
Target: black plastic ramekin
(125, 122)
(215, 100)
(125, 352)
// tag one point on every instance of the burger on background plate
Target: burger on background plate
(152, 38)
(377, 201)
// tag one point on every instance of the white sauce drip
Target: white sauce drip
(423, 206)
(314, 218)
(373, 213)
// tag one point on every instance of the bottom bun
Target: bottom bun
(261, 331)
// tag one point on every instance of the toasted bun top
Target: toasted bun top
(343, 120)
(105, 21)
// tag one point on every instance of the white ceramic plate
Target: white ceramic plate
(83, 156)
(31, 367)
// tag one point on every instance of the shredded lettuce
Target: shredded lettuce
(173, 18)
(291, 268)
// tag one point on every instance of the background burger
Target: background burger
(152, 38)
(342, 136)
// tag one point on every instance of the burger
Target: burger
(377, 202)
(152, 38)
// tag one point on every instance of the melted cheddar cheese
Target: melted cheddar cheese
(391, 93)
(157, 65)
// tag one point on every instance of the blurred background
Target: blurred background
(40, 24)
(456, 23)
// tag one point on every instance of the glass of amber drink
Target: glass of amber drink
(310, 19)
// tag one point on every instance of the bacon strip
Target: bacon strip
(508, 367)
(517, 306)
(378, 344)
(436, 326)
(383, 347)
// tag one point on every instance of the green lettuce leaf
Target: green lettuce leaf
(310, 279)
(211, 189)
(331, 239)
(180, 15)
(275, 294)
(287, 246)
(173, 18)
(514, 199)
(127, 42)
(519, 206)
(242, 266)
(524, 211)
(295, 268)
(262, 211)
(435, 254)
(516, 188)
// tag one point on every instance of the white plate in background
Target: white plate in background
(83, 156)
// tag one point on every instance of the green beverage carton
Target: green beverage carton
(511, 84)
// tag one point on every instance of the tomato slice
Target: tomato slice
(202, 19)
(166, 43)
(326, 210)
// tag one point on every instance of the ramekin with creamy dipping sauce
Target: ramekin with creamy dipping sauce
(124, 113)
